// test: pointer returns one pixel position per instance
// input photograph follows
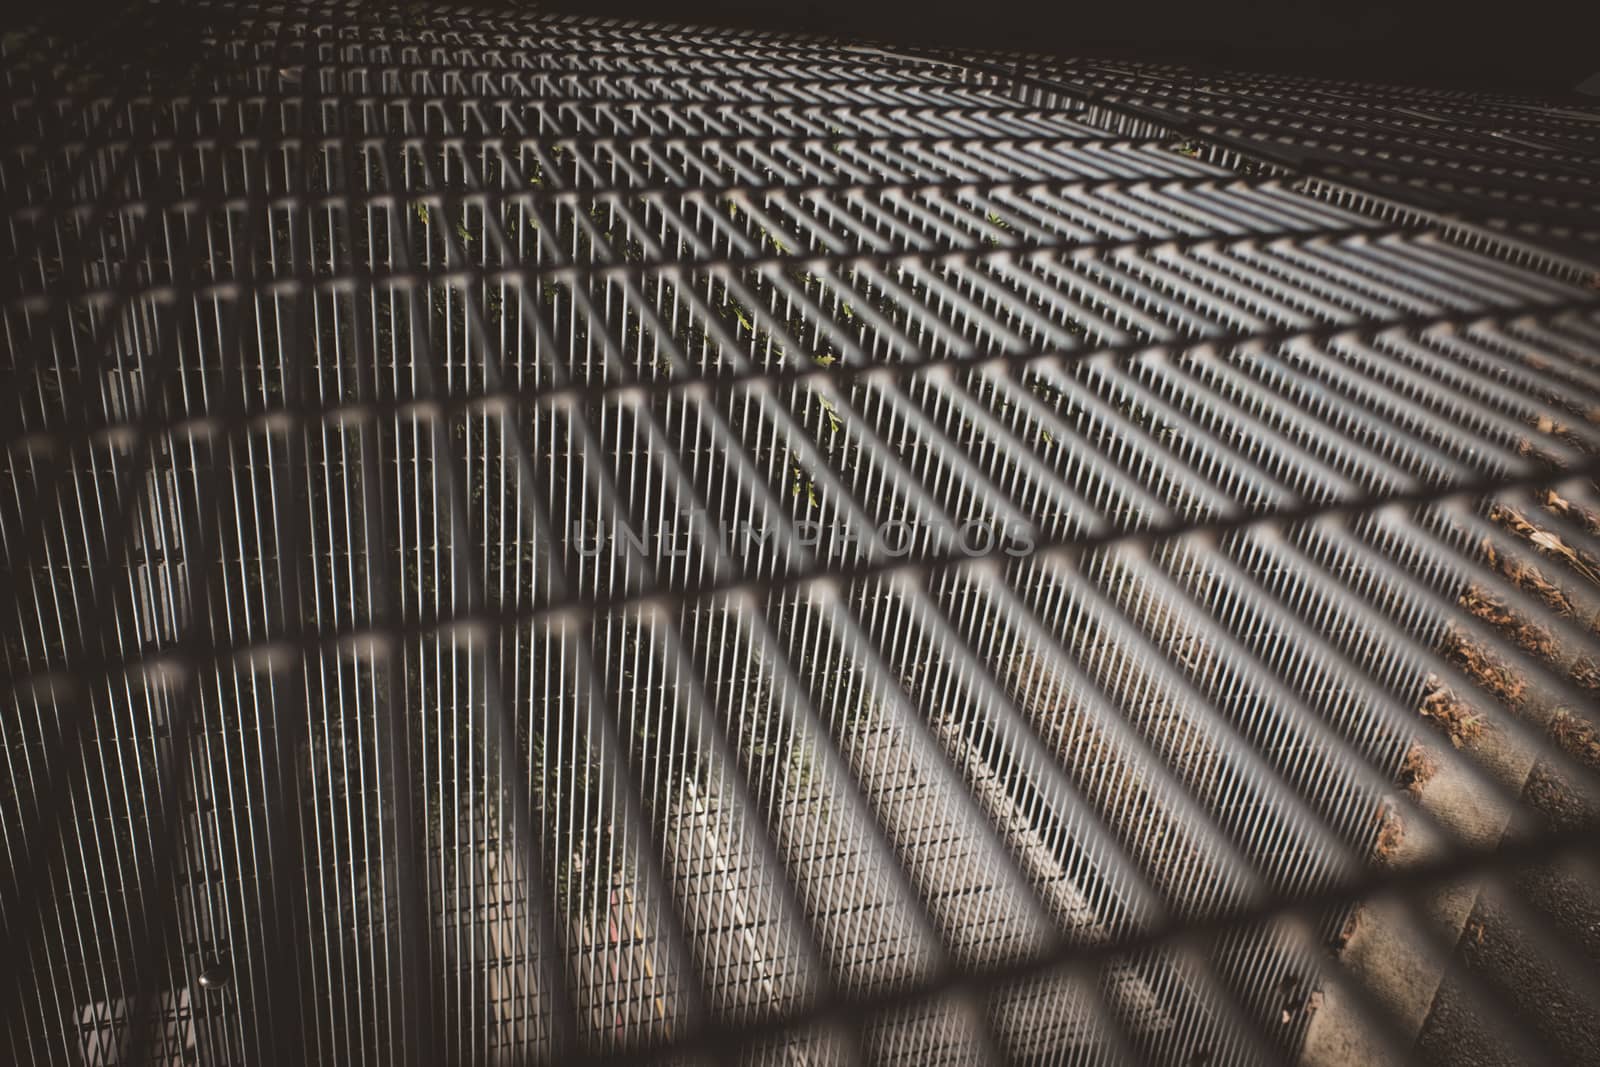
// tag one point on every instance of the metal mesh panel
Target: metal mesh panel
(545, 540)
(1515, 162)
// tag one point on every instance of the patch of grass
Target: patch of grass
(1000, 223)
(804, 483)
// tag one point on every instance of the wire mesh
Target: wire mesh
(537, 539)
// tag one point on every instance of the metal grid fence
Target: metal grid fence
(543, 540)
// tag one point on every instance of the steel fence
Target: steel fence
(539, 539)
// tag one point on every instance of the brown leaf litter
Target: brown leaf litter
(1391, 833)
(1488, 667)
(1416, 769)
